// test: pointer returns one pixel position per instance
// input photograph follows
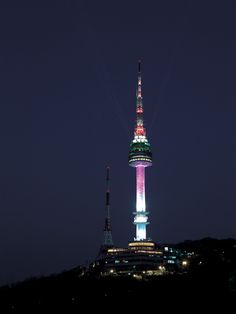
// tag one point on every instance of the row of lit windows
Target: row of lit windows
(140, 159)
(141, 244)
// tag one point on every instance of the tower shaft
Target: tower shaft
(140, 189)
(140, 218)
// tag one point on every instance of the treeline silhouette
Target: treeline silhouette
(209, 286)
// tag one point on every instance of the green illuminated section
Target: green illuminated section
(140, 151)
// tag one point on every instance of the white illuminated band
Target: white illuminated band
(140, 219)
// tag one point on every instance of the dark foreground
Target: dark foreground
(209, 286)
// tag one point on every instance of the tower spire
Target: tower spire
(107, 229)
(139, 127)
(139, 90)
(139, 66)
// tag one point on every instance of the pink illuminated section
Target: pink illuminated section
(140, 189)
(139, 130)
(139, 109)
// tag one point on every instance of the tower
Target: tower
(140, 157)
(142, 257)
(107, 229)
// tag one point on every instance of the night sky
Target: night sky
(68, 75)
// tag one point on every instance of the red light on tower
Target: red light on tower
(139, 110)
(139, 130)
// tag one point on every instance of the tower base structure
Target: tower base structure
(140, 260)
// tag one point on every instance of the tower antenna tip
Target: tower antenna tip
(108, 173)
(139, 65)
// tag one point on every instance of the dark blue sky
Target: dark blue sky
(68, 74)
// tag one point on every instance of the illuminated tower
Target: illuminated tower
(107, 229)
(140, 157)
